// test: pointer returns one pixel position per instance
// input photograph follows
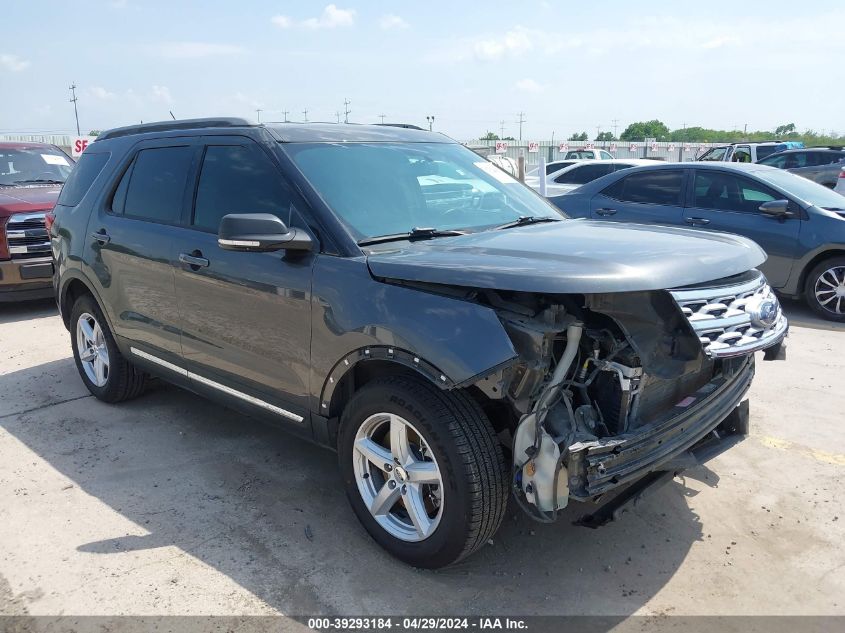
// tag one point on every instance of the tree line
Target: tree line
(642, 130)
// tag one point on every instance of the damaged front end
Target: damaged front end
(611, 387)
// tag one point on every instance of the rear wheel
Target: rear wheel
(423, 470)
(103, 369)
(824, 289)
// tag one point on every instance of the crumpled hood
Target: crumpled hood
(27, 199)
(580, 256)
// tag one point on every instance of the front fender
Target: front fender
(352, 312)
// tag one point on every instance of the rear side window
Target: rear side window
(766, 150)
(154, 186)
(238, 179)
(662, 186)
(81, 178)
(584, 174)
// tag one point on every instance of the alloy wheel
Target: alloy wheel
(830, 290)
(91, 346)
(398, 477)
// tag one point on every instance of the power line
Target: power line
(346, 110)
(73, 100)
(521, 121)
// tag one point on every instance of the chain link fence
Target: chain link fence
(556, 150)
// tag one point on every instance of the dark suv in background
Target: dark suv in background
(800, 224)
(31, 175)
(454, 341)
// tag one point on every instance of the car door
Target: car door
(245, 316)
(726, 201)
(651, 196)
(130, 239)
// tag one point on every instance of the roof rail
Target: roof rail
(167, 126)
(407, 126)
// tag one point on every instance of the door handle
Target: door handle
(605, 212)
(194, 261)
(102, 237)
(697, 221)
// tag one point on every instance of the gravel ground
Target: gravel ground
(172, 505)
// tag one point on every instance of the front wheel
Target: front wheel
(825, 289)
(423, 470)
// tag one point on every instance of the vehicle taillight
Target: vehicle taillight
(49, 218)
(4, 245)
(842, 173)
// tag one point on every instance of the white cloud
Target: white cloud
(161, 93)
(282, 21)
(391, 21)
(529, 85)
(196, 50)
(513, 43)
(331, 17)
(12, 63)
(98, 92)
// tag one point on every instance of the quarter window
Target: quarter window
(726, 192)
(238, 179)
(661, 186)
(81, 178)
(583, 174)
(154, 186)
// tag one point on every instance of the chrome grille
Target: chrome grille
(27, 236)
(733, 319)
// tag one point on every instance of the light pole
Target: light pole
(430, 120)
(72, 89)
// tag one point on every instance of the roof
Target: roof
(796, 150)
(25, 145)
(179, 124)
(291, 132)
(351, 132)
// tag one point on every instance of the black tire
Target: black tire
(465, 446)
(810, 289)
(124, 380)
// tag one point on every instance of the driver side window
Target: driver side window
(726, 192)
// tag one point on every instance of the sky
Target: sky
(473, 66)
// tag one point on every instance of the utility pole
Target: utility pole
(430, 120)
(285, 113)
(305, 114)
(258, 112)
(615, 126)
(521, 121)
(381, 116)
(346, 110)
(73, 100)
(598, 131)
(337, 114)
(502, 129)
(745, 129)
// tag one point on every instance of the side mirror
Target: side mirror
(260, 232)
(777, 209)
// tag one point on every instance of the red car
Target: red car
(31, 176)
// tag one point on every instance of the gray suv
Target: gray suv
(455, 341)
(819, 164)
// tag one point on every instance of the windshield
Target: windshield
(391, 188)
(803, 189)
(33, 165)
(717, 153)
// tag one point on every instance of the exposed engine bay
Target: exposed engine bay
(597, 374)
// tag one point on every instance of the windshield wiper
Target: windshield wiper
(38, 180)
(414, 234)
(525, 220)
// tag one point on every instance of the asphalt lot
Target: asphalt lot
(172, 505)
